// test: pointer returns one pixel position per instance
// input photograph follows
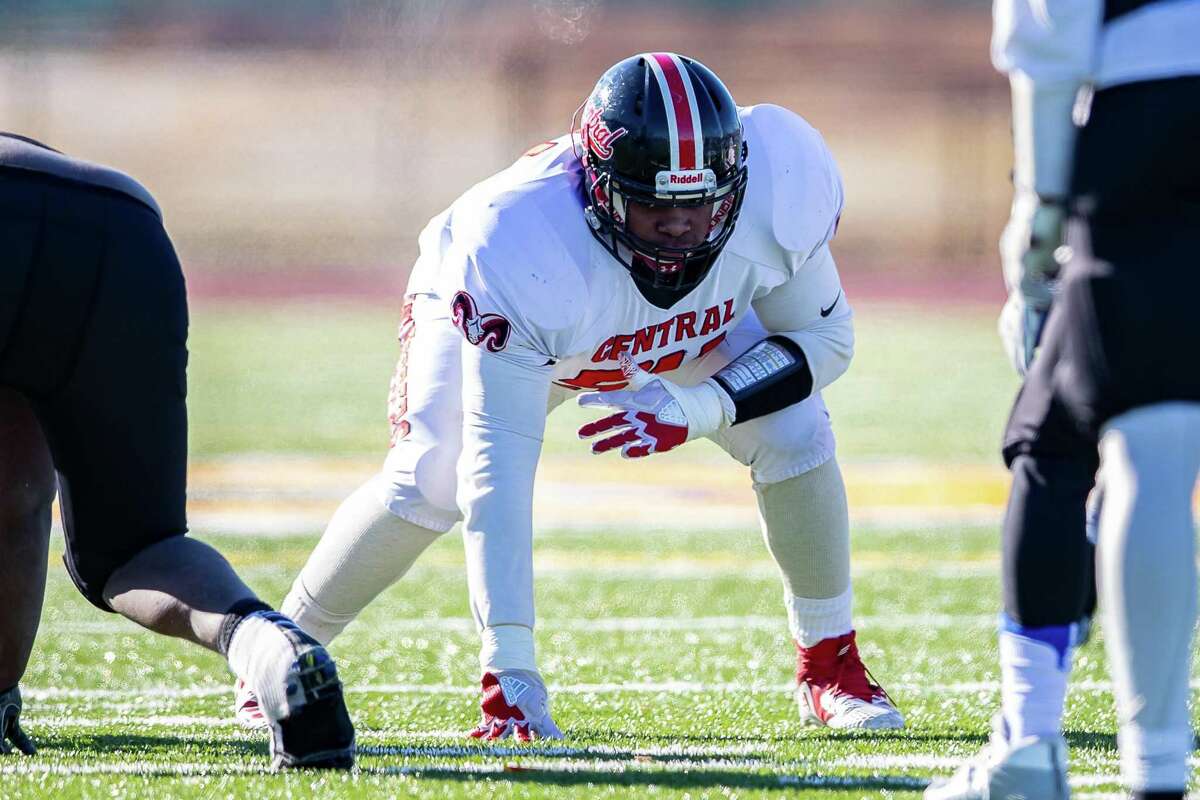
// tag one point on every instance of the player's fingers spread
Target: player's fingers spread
(613, 442)
(604, 424)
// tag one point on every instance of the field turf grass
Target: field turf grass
(666, 650)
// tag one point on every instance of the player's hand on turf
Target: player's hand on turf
(11, 734)
(515, 703)
(654, 415)
(1031, 252)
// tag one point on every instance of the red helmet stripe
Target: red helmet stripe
(683, 118)
(693, 111)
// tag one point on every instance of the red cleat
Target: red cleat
(835, 690)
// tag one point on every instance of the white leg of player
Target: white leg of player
(1147, 575)
(365, 549)
(806, 525)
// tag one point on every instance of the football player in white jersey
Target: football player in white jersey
(669, 261)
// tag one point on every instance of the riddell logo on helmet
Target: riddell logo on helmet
(685, 180)
(598, 138)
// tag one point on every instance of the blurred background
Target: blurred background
(297, 148)
(296, 137)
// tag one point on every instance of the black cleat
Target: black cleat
(318, 734)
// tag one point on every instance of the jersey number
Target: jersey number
(608, 380)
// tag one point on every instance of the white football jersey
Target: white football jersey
(540, 289)
(543, 305)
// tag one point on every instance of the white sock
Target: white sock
(812, 621)
(1035, 664)
(261, 654)
(507, 647)
(365, 549)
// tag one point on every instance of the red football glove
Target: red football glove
(655, 415)
(515, 703)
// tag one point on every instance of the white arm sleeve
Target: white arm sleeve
(504, 415)
(794, 309)
(1048, 48)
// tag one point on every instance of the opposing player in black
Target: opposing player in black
(93, 356)
(1106, 119)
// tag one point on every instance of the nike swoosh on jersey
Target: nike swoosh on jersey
(825, 312)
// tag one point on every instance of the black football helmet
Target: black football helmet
(661, 129)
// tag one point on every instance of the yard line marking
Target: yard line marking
(609, 625)
(528, 764)
(272, 524)
(755, 752)
(172, 721)
(645, 687)
(199, 769)
(939, 763)
(896, 762)
(136, 768)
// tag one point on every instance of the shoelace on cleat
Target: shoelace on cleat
(845, 671)
(873, 685)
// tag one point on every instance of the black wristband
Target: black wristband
(768, 377)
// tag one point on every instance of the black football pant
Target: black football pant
(1123, 333)
(93, 330)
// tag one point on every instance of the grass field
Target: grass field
(665, 645)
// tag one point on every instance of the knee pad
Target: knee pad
(784, 444)
(418, 484)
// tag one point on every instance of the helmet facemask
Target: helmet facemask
(654, 265)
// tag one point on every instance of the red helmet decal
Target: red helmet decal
(597, 137)
(490, 330)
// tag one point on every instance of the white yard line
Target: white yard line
(755, 752)
(582, 625)
(170, 721)
(183, 769)
(652, 761)
(646, 687)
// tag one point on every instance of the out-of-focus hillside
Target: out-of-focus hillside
(333, 147)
